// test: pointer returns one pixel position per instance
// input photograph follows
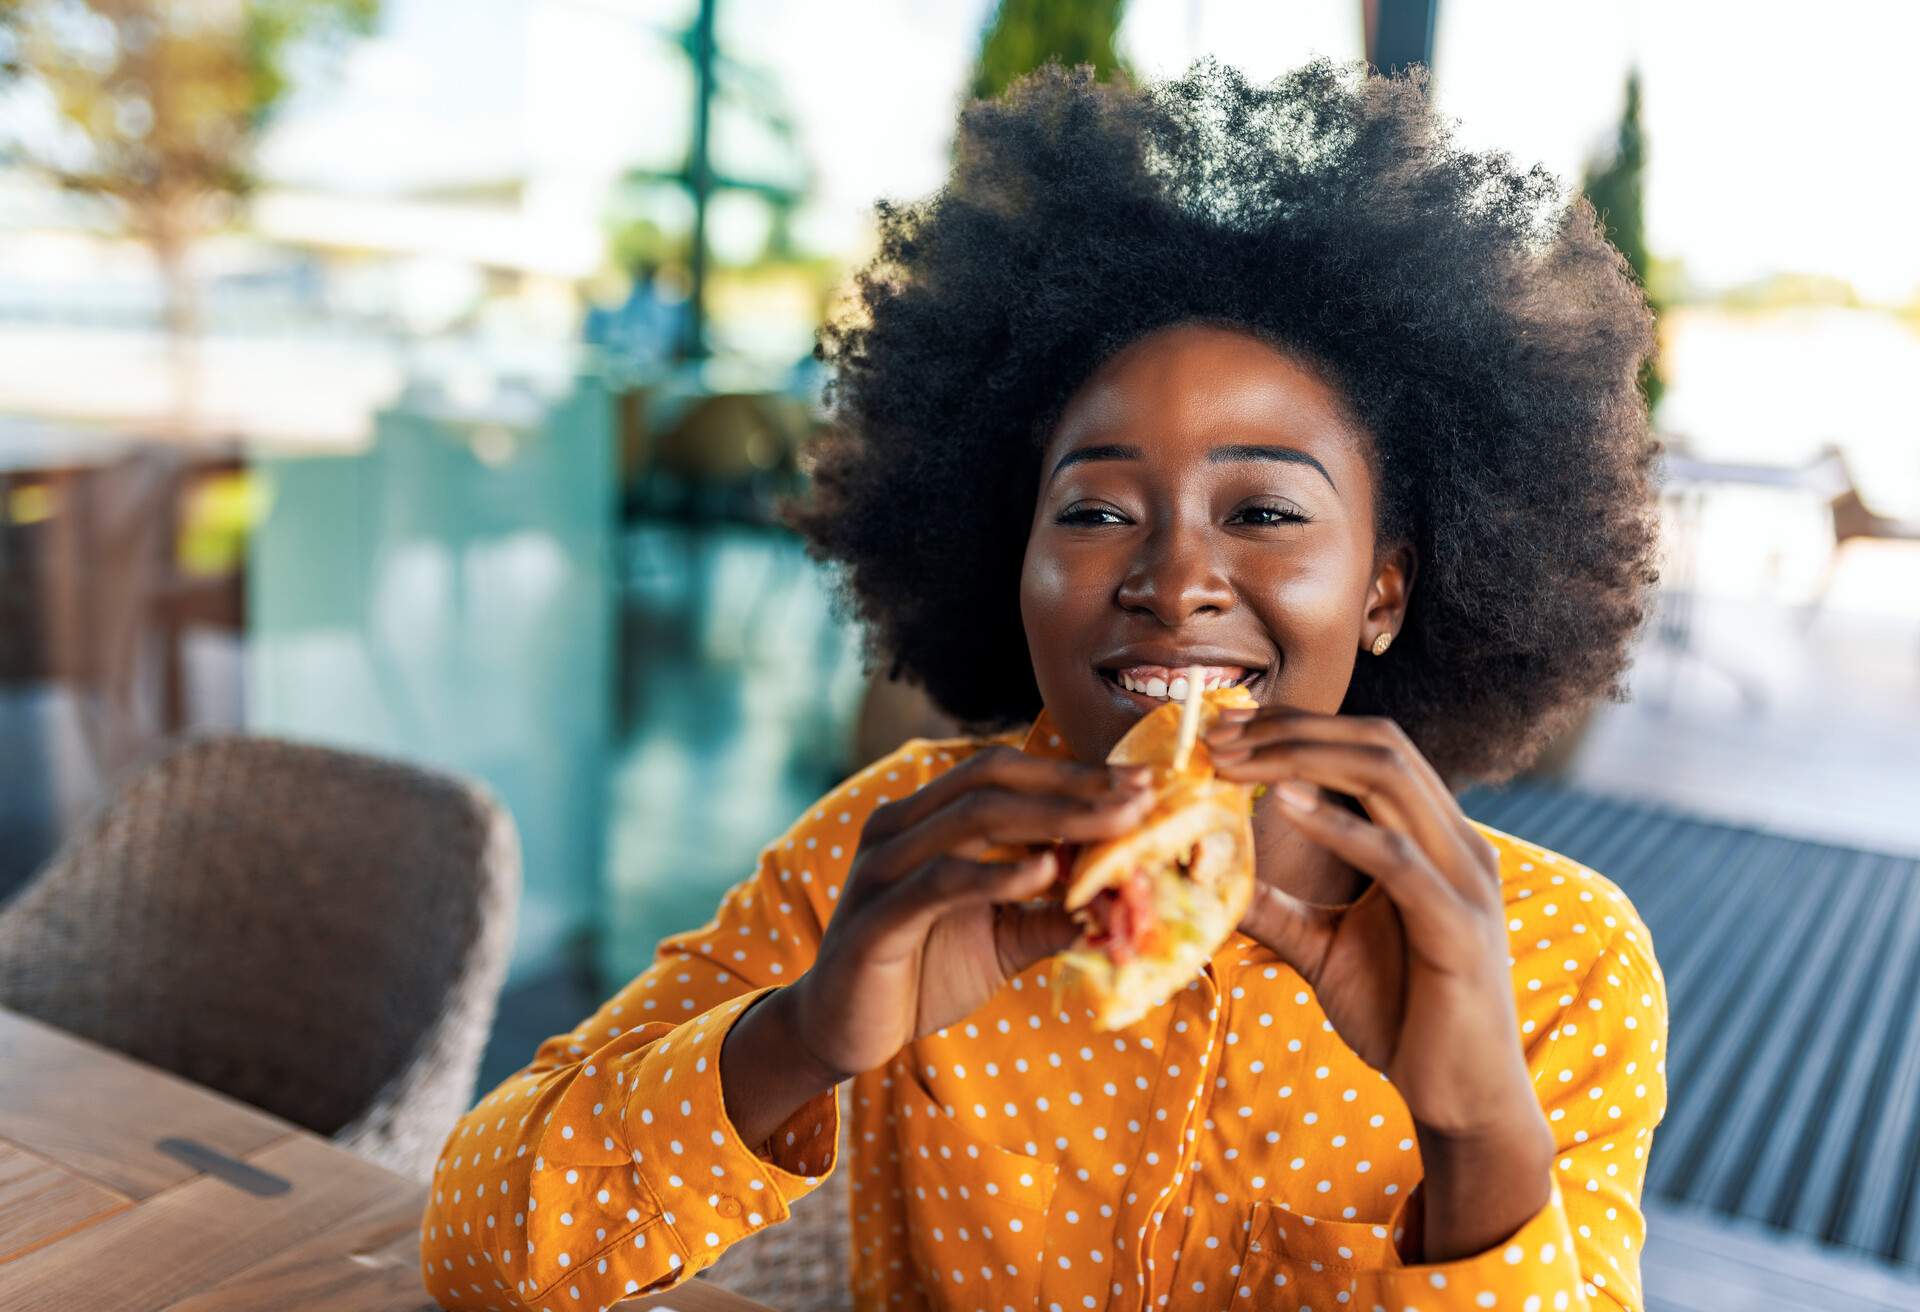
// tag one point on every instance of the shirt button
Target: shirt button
(728, 1207)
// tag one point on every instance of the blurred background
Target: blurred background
(419, 377)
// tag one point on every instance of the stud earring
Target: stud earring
(1381, 643)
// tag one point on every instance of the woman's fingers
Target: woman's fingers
(1031, 931)
(1252, 730)
(1390, 788)
(989, 816)
(1361, 772)
(900, 917)
(1002, 768)
(997, 799)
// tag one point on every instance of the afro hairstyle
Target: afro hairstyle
(1484, 331)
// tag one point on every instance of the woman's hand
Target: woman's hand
(928, 925)
(1414, 974)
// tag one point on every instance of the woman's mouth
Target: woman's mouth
(1161, 683)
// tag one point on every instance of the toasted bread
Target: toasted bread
(1192, 862)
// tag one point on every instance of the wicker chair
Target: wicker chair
(320, 934)
(801, 1264)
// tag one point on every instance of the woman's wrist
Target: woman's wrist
(1479, 1188)
(766, 1072)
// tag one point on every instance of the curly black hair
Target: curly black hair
(1484, 331)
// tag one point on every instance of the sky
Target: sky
(1780, 134)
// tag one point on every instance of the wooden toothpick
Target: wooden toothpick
(1189, 720)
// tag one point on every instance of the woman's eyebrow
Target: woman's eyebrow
(1109, 452)
(1218, 455)
(1258, 451)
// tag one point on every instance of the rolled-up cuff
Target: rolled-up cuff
(655, 1162)
(1537, 1260)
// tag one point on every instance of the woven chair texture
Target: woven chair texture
(318, 933)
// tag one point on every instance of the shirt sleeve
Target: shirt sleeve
(1601, 1078)
(609, 1166)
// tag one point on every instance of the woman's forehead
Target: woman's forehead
(1199, 385)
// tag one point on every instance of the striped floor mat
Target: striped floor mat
(1793, 974)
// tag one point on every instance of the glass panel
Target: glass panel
(446, 598)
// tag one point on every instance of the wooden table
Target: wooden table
(124, 1187)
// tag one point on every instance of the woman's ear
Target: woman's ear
(1387, 598)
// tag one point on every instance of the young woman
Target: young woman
(1271, 379)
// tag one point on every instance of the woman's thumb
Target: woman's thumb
(1026, 932)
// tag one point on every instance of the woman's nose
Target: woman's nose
(1174, 579)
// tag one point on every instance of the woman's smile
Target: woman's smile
(1207, 499)
(1148, 679)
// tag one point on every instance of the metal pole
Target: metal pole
(693, 344)
(1399, 32)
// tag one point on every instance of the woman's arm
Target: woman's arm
(609, 1164)
(1418, 977)
(767, 1073)
(1599, 1072)
(697, 1105)
(1476, 1190)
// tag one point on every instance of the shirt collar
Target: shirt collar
(1044, 739)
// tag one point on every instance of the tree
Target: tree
(155, 106)
(1024, 34)
(1615, 186)
(9, 41)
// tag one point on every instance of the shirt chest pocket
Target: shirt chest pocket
(1290, 1256)
(976, 1212)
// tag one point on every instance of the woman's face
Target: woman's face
(1205, 500)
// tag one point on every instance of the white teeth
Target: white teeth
(1175, 688)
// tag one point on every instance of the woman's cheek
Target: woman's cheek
(1314, 617)
(1047, 596)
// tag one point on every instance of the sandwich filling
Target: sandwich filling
(1154, 905)
(1154, 908)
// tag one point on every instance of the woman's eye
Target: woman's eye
(1263, 515)
(1081, 514)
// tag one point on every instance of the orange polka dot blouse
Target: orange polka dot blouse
(1228, 1151)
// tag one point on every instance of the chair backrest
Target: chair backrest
(731, 436)
(317, 933)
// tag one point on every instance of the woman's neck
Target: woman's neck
(1293, 865)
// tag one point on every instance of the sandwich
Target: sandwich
(1155, 904)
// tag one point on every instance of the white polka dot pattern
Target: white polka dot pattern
(1226, 1151)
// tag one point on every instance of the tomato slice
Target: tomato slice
(1125, 919)
(1136, 894)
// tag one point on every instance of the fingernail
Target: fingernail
(1299, 795)
(1231, 755)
